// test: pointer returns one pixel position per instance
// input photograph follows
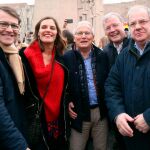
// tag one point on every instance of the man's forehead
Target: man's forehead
(83, 28)
(113, 19)
(141, 13)
(3, 14)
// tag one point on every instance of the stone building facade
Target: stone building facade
(123, 8)
(91, 10)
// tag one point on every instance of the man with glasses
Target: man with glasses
(128, 84)
(5, 25)
(88, 68)
(11, 84)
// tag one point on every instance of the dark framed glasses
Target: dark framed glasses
(5, 25)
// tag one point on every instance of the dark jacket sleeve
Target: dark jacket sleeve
(10, 137)
(68, 59)
(113, 91)
(146, 115)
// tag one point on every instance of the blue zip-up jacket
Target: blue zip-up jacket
(128, 90)
(11, 110)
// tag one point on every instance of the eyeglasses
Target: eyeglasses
(81, 33)
(140, 22)
(5, 25)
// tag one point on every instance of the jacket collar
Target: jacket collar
(133, 49)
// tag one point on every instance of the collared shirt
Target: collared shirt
(90, 81)
(118, 47)
(140, 51)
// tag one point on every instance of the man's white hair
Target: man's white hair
(84, 24)
(136, 8)
(110, 15)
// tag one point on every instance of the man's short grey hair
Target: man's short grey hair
(110, 15)
(136, 8)
(84, 24)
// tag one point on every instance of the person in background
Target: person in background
(65, 24)
(68, 37)
(127, 86)
(28, 37)
(47, 79)
(88, 70)
(113, 25)
(103, 42)
(12, 135)
(20, 45)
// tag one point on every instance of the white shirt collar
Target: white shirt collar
(118, 47)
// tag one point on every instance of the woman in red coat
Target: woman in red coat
(47, 75)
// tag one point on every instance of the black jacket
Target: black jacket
(127, 91)
(112, 53)
(33, 99)
(11, 109)
(77, 87)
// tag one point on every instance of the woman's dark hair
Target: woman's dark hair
(11, 12)
(59, 42)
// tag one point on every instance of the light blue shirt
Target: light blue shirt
(90, 81)
(139, 49)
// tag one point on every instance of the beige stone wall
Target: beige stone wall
(60, 10)
(123, 8)
(90, 10)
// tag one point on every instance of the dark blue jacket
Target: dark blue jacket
(77, 88)
(128, 90)
(11, 114)
(112, 53)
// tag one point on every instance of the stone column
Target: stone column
(99, 32)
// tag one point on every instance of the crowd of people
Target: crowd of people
(62, 92)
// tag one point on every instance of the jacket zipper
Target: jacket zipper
(38, 106)
(33, 104)
(64, 102)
